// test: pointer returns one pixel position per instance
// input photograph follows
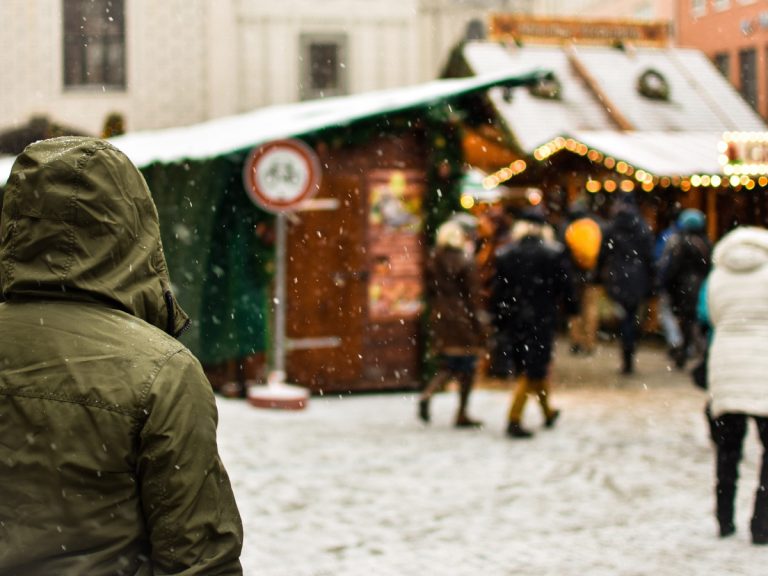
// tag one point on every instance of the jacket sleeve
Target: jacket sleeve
(650, 263)
(668, 265)
(473, 303)
(702, 306)
(565, 277)
(193, 524)
(498, 300)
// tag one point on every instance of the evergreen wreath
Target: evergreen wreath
(653, 85)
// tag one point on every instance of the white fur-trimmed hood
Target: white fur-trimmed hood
(742, 250)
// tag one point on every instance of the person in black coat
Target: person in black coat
(532, 278)
(627, 269)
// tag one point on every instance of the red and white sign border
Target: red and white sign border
(257, 195)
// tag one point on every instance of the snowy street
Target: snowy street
(622, 486)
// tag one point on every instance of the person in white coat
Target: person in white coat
(737, 294)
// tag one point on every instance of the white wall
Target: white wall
(167, 83)
(381, 39)
(192, 60)
(166, 67)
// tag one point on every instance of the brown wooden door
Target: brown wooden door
(327, 287)
(393, 348)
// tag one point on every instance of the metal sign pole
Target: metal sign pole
(278, 370)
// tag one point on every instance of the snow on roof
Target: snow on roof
(701, 99)
(230, 134)
(660, 153)
(533, 121)
(700, 96)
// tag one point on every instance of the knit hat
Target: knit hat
(532, 214)
(691, 220)
(451, 234)
(467, 222)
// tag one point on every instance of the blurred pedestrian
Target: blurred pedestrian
(582, 236)
(670, 329)
(456, 320)
(683, 266)
(493, 232)
(738, 362)
(627, 269)
(108, 457)
(532, 279)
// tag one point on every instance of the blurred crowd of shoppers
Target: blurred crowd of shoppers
(500, 286)
(503, 289)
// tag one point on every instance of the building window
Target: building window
(721, 5)
(698, 7)
(324, 68)
(723, 63)
(748, 76)
(94, 43)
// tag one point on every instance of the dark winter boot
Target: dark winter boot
(550, 420)
(628, 365)
(424, 410)
(466, 380)
(759, 524)
(725, 511)
(464, 421)
(680, 356)
(727, 529)
(514, 430)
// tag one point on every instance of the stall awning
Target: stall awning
(659, 153)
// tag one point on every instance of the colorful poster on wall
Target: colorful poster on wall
(395, 245)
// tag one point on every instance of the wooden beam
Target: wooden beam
(611, 109)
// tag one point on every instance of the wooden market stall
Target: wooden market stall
(623, 109)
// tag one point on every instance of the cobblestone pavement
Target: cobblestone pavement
(356, 486)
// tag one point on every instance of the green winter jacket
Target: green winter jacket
(108, 456)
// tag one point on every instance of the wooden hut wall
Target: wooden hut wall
(219, 265)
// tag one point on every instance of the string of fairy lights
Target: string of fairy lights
(736, 174)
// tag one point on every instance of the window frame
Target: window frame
(754, 80)
(721, 5)
(721, 58)
(698, 8)
(89, 56)
(306, 41)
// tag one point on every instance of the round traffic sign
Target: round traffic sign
(280, 175)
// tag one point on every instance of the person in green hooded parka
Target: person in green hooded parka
(108, 455)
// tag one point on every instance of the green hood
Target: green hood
(79, 223)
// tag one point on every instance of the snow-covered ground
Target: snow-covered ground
(622, 486)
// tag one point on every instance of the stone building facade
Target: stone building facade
(178, 62)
